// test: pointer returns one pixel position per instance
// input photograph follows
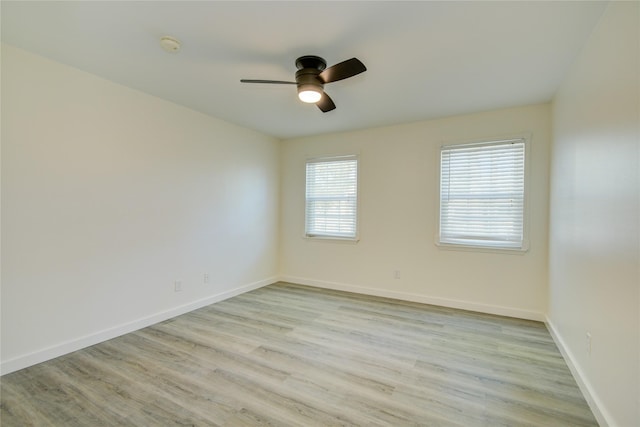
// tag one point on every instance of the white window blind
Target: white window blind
(332, 197)
(482, 194)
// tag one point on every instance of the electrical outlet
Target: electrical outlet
(396, 274)
(206, 278)
(177, 286)
(589, 343)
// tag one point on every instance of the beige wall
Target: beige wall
(594, 264)
(399, 168)
(108, 196)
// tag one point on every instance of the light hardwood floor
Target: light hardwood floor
(290, 355)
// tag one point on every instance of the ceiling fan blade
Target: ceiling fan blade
(326, 103)
(275, 82)
(342, 70)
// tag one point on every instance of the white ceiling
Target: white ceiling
(424, 59)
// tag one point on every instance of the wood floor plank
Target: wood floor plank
(292, 355)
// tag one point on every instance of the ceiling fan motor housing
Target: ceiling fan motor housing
(309, 67)
(308, 78)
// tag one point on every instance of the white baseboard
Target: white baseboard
(66, 347)
(425, 299)
(602, 415)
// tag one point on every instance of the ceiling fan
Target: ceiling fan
(313, 74)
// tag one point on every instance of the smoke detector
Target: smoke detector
(170, 44)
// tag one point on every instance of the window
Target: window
(482, 194)
(332, 197)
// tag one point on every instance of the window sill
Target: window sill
(332, 239)
(477, 248)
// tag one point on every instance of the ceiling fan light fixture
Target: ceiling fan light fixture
(309, 94)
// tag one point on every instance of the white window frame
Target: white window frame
(309, 234)
(488, 246)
